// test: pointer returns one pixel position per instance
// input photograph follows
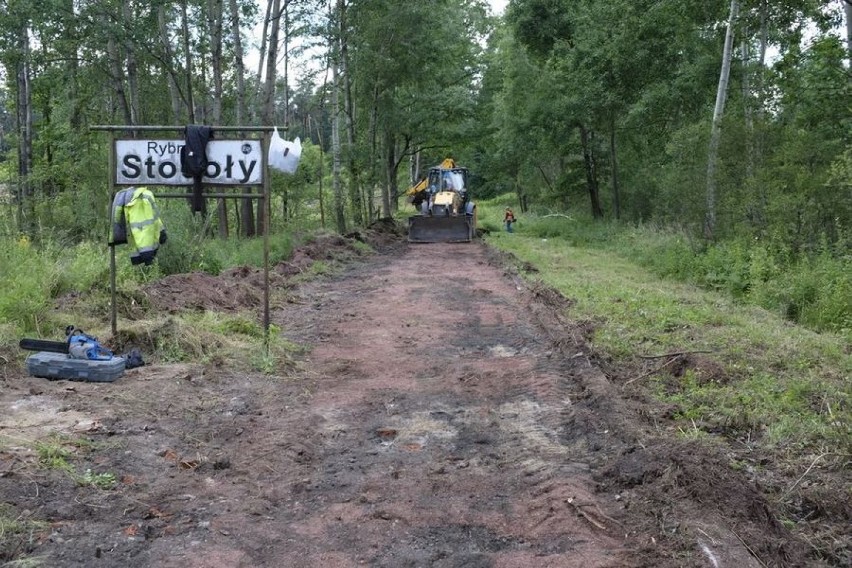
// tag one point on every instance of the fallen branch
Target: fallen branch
(5, 361)
(598, 524)
(675, 354)
(586, 516)
(544, 175)
(807, 471)
(750, 551)
(653, 371)
(602, 514)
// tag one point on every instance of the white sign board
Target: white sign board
(157, 162)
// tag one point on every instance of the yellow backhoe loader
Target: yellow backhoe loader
(445, 212)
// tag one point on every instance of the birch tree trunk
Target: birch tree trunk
(203, 86)
(239, 66)
(760, 110)
(761, 59)
(320, 168)
(132, 67)
(73, 46)
(48, 185)
(320, 140)
(390, 173)
(286, 16)
(374, 154)
(349, 108)
(214, 14)
(261, 61)
(716, 127)
(847, 6)
(187, 53)
(414, 167)
(268, 117)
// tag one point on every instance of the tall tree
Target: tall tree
(847, 9)
(118, 79)
(187, 55)
(261, 60)
(71, 45)
(417, 86)
(169, 62)
(246, 213)
(349, 111)
(716, 128)
(215, 16)
(268, 117)
(337, 183)
(24, 127)
(127, 23)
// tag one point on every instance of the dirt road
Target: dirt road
(443, 414)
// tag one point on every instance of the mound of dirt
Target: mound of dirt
(383, 235)
(321, 248)
(200, 291)
(696, 497)
(241, 288)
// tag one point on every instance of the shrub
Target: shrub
(27, 277)
(814, 290)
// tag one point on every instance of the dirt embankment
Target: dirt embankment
(444, 414)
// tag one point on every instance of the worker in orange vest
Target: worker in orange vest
(509, 219)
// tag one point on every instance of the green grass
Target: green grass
(58, 452)
(39, 283)
(813, 288)
(52, 454)
(104, 480)
(46, 286)
(18, 535)
(783, 384)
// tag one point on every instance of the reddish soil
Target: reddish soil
(443, 414)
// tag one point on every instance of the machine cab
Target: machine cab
(448, 180)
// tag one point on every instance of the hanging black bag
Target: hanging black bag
(193, 161)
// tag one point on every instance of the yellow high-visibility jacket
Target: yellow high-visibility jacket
(136, 221)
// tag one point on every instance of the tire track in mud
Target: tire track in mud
(442, 407)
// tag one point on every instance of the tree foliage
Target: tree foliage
(603, 106)
(641, 79)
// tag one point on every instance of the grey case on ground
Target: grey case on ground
(60, 366)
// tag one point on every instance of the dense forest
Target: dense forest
(727, 122)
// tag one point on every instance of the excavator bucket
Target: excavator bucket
(440, 229)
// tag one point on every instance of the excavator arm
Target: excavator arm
(447, 164)
(414, 189)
